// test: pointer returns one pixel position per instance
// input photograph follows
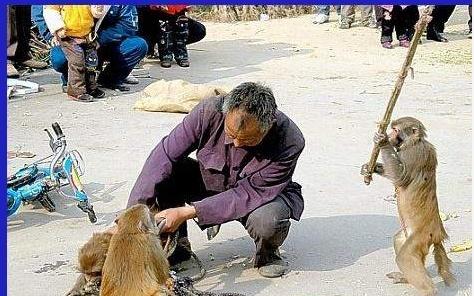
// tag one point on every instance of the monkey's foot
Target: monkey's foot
(397, 277)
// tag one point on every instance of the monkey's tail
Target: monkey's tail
(443, 263)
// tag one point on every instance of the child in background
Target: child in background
(73, 28)
(401, 17)
(173, 34)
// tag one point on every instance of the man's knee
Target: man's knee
(58, 59)
(134, 46)
(269, 221)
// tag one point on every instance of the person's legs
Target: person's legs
(399, 23)
(322, 15)
(166, 41)
(347, 16)
(180, 34)
(440, 14)
(445, 13)
(59, 62)
(23, 27)
(184, 185)
(367, 16)
(148, 27)
(268, 226)
(123, 57)
(76, 86)
(323, 9)
(387, 29)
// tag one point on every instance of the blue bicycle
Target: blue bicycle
(34, 181)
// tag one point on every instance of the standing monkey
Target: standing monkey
(136, 264)
(409, 161)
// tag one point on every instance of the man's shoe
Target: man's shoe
(165, 63)
(82, 98)
(130, 79)
(97, 93)
(183, 63)
(321, 19)
(114, 86)
(404, 43)
(370, 23)
(344, 25)
(34, 64)
(181, 253)
(64, 88)
(12, 72)
(273, 269)
(436, 36)
(387, 44)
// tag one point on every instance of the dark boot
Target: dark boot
(181, 34)
(435, 35)
(165, 47)
(181, 253)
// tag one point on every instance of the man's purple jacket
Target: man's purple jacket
(245, 178)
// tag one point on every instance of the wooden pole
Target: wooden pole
(419, 28)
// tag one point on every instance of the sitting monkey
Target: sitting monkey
(410, 161)
(91, 260)
(136, 264)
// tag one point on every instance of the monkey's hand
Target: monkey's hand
(381, 139)
(364, 170)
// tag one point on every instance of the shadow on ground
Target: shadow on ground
(314, 244)
(210, 60)
(34, 215)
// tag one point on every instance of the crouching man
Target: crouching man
(247, 151)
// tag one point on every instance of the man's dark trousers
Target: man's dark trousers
(267, 225)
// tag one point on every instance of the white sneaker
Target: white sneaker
(321, 19)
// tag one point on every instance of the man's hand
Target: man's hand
(175, 217)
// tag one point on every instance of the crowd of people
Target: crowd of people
(99, 45)
(104, 39)
(387, 18)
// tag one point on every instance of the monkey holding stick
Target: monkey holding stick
(409, 161)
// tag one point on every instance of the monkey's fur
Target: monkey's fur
(410, 161)
(91, 260)
(92, 257)
(136, 264)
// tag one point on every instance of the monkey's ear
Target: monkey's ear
(143, 227)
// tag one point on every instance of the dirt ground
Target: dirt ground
(335, 85)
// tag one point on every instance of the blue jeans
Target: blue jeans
(324, 9)
(123, 57)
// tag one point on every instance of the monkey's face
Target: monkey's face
(396, 136)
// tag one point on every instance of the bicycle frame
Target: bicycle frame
(34, 181)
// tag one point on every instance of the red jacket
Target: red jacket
(171, 9)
